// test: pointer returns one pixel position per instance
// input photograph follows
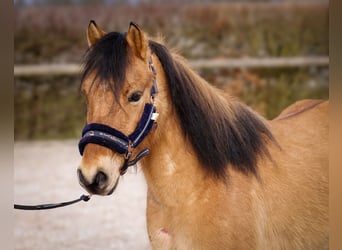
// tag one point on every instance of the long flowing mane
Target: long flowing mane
(222, 132)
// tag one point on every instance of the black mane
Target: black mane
(108, 59)
(219, 138)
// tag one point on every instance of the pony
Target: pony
(219, 175)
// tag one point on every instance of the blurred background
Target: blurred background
(48, 105)
(268, 53)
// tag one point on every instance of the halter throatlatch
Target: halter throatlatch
(115, 140)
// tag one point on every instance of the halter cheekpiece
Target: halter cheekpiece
(117, 141)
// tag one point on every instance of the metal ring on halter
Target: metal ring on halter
(129, 150)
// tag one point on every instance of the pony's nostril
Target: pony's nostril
(81, 178)
(100, 179)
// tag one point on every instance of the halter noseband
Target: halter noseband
(115, 140)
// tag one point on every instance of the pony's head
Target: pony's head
(119, 85)
(119, 82)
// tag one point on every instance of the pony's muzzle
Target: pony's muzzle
(97, 185)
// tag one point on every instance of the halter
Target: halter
(117, 141)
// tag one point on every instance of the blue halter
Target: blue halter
(115, 140)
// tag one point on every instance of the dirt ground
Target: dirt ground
(45, 172)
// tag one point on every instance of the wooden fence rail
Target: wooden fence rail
(73, 69)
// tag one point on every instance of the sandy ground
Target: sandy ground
(45, 172)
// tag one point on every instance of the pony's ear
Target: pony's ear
(137, 41)
(94, 33)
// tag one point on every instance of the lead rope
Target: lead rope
(52, 205)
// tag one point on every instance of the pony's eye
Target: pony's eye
(135, 96)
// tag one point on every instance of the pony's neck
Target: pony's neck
(201, 132)
(172, 169)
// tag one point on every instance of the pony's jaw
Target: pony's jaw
(99, 176)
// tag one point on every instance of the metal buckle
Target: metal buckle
(129, 150)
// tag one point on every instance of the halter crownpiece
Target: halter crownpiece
(117, 141)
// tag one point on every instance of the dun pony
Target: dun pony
(219, 175)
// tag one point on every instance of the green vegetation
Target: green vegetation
(269, 91)
(48, 107)
(47, 34)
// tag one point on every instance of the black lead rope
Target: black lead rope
(53, 205)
